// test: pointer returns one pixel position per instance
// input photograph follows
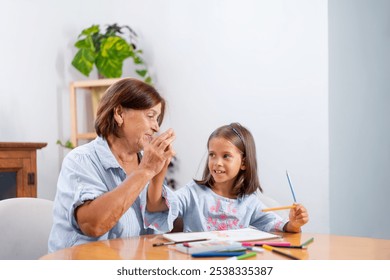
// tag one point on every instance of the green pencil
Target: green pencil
(307, 242)
(245, 256)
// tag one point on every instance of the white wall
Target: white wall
(262, 63)
(359, 97)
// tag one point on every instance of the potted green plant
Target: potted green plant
(107, 51)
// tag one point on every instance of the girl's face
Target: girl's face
(225, 161)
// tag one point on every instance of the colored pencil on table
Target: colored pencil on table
(270, 243)
(242, 257)
(217, 254)
(302, 246)
(307, 242)
(272, 249)
(178, 242)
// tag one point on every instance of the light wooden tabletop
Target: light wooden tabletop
(324, 247)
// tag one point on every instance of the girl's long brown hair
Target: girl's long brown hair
(247, 181)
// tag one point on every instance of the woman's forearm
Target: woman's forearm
(98, 216)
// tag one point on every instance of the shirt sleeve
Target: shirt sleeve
(81, 182)
(266, 221)
(160, 221)
(185, 199)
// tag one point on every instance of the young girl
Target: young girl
(226, 197)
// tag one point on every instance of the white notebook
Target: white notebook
(245, 234)
(206, 246)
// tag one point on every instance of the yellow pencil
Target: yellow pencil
(278, 208)
(272, 249)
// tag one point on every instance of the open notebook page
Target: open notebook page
(245, 234)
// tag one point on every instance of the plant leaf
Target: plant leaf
(109, 67)
(83, 61)
(148, 80)
(137, 60)
(115, 47)
(113, 51)
(83, 44)
(142, 73)
(68, 144)
(90, 30)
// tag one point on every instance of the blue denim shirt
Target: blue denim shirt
(87, 172)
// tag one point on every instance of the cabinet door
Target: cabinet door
(17, 177)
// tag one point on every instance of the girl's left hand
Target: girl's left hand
(298, 216)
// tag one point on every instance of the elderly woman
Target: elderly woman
(101, 190)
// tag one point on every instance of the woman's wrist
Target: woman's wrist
(149, 173)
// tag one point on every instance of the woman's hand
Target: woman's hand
(158, 153)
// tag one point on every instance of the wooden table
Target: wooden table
(324, 247)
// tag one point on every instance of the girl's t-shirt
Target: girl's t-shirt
(204, 210)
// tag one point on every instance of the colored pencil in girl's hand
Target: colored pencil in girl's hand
(278, 208)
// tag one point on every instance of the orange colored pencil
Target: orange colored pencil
(278, 208)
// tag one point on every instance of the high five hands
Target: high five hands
(159, 152)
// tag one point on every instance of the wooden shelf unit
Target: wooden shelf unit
(20, 158)
(86, 85)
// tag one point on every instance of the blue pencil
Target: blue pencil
(217, 254)
(291, 187)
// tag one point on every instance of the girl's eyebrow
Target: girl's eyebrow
(223, 152)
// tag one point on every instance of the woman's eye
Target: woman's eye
(226, 156)
(153, 117)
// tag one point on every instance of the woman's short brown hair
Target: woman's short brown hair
(129, 93)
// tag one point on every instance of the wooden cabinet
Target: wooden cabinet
(18, 169)
(95, 87)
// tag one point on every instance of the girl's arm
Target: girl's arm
(155, 200)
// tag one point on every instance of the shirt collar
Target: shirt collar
(104, 153)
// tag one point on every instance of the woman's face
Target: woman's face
(139, 125)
